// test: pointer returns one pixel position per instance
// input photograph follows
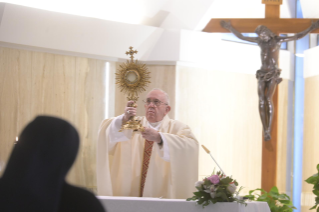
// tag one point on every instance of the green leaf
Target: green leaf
(251, 197)
(251, 191)
(284, 196)
(313, 207)
(315, 192)
(207, 182)
(263, 198)
(201, 201)
(313, 179)
(226, 181)
(219, 193)
(224, 196)
(274, 195)
(285, 202)
(274, 190)
(199, 194)
(262, 190)
(318, 167)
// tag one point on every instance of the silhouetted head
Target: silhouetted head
(39, 162)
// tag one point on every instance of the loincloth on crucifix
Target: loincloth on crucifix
(265, 76)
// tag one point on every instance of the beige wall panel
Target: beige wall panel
(64, 87)
(34, 83)
(311, 137)
(77, 173)
(4, 152)
(112, 88)
(282, 135)
(42, 84)
(222, 110)
(90, 107)
(9, 71)
(24, 89)
(95, 86)
(162, 77)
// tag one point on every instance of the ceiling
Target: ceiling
(168, 14)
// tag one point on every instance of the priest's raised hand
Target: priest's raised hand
(129, 111)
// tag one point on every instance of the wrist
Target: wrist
(124, 119)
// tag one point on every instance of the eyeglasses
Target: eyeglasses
(155, 102)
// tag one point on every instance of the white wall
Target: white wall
(40, 30)
(311, 62)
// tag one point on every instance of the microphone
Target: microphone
(208, 152)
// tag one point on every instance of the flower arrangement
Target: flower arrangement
(216, 188)
(314, 180)
(277, 202)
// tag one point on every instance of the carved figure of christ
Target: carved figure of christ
(278, 26)
(268, 75)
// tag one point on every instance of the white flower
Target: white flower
(231, 188)
(213, 187)
(199, 184)
(279, 204)
(213, 194)
(239, 197)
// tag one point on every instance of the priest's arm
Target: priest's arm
(115, 136)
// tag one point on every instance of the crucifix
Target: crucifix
(277, 26)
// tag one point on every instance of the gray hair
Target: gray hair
(166, 95)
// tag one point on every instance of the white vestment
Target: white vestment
(172, 175)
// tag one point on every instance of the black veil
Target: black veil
(34, 178)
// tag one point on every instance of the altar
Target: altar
(143, 204)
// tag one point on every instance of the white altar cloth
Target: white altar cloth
(143, 204)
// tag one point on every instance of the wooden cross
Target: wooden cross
(278, 26)
(131, 52)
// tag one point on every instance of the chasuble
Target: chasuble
(172, 169)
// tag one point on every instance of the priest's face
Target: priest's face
(156, 107)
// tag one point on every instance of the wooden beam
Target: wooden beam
(245, 25)
(272, 11)
(269, 152)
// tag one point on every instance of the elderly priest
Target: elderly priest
(161, 161)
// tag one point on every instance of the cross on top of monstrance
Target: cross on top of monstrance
(132, 78)
(131, 52)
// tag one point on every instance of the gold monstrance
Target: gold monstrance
(132, 78)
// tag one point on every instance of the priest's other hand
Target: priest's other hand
(129, 111)
(151, 135)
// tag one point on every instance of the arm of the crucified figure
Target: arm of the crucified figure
(228, 26)
(299, 35)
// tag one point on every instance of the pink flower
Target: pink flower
(213, 179)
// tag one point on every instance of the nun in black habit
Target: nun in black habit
(34, 178)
